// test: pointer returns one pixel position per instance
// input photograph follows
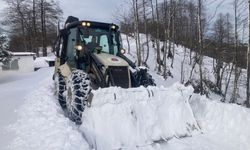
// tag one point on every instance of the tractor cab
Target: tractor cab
(81, 37)
(95, 48)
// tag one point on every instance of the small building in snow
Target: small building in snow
(22, 61)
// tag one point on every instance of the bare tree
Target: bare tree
(231, 66)
(29, 21)
(43, 24)
(236, 68)
(166, 36)
(136, 30)
(158, 38)
(145, 30)
(219, 37)
(200, 37)
(34, 27)
(248, 60)
(173, 12)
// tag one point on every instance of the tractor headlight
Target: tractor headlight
(113, 27)
(78, 47)
(123, 51)
(84, 24)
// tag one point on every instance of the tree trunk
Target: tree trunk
(228, 82)
(43, 30)
(24, 37)
(34, 28)
(236, 71)
(200, 46)
(182, 66)
(137, 35)
(165, 41)
(145, 31)
(158, 38)
(173, 31)
(248, 59)
(153, 33)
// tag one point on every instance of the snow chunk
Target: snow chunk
(41, 62)
(138, 116)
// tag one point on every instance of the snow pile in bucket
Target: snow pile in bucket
(138, 116)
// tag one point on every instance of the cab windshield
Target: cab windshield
(96, 37)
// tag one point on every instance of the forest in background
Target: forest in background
(224, 37)
(31, 24)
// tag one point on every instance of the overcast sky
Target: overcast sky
(105, 10)
(96, 10)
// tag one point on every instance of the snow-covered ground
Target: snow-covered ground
(39, 122)
(168, 116)
(14, 86)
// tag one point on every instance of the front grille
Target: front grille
(120, 76)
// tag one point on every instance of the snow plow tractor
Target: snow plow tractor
(90, 56)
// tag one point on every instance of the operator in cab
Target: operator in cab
(93, 44)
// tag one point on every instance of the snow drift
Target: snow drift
(230, 120)
(124, 119)
(139, 116)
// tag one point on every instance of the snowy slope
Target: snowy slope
(180, 52)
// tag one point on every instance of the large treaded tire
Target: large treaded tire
(148, 81)
(61, 89)
(143, 78)
(77, 94)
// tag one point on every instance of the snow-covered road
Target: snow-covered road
(14, 86)
(39, 122)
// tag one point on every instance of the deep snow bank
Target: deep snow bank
(137, 117)
(231, 121)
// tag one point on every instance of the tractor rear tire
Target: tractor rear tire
(77, 94)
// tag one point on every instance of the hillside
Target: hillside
(182, 56)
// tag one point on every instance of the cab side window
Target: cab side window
(104, 43)
(70, 48)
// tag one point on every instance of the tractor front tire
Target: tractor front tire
(77, 94)
(61, 88)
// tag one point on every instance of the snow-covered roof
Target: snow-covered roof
(23, 53)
